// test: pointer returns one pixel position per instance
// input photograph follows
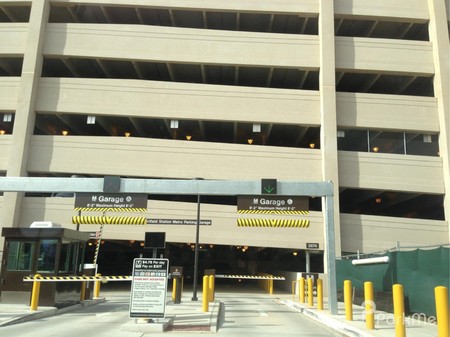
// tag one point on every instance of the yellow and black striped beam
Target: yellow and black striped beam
(76, 278)
(109, 220)
(254, 211)
(111, 209)
(276, 223)
(251, 277)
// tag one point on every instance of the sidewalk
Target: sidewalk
(384, 322)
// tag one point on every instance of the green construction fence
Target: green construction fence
(419, 271)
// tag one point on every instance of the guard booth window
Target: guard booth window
(68, 257)
(47, 256)
(20, 255)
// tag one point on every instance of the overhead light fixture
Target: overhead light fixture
(256, 127)
(312, 145)
(427, 138)
(378, 200)
(7, 118)
(90, 120)
(174, 124)
(295, 253)
(340, 133)
(371, 260)
(375, 149)
(64, 132)
(127, 134)
(188, 137)
(2, 132)
(250, 141)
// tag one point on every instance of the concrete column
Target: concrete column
(439, 37)
(327, 87)
(25, 113)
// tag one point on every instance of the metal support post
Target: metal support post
(308, 261)
(197, 239)
(330, 249)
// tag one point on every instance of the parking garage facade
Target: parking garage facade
(314, 90)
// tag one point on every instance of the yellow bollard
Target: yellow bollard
(83, 290)
(348, 301)
(369, 305)
(301, 290)
(211, 288)
(399, 310)
(270, 285)
(174, 288)
(35, 292)
(97, 287)
(319, 294)
(205, 306)
(442, 311)
(310, 292)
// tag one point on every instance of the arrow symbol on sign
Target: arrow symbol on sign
(269, 189)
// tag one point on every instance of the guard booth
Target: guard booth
(46, 249)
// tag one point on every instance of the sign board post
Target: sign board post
(149, 288)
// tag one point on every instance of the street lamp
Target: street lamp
(197, 238)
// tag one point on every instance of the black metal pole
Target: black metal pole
(197, 237)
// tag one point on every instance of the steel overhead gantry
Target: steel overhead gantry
(196, 187)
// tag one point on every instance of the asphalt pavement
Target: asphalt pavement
(188, 316)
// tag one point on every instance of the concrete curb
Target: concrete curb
(51, 311)
(214, 317)
(333, 324)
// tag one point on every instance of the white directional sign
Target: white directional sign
(149, 288)
(178, 222)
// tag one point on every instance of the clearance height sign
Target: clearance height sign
(272, 204)
(149, 288)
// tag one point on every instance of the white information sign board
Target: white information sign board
(149, 288)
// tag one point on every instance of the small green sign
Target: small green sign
(268, 186)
